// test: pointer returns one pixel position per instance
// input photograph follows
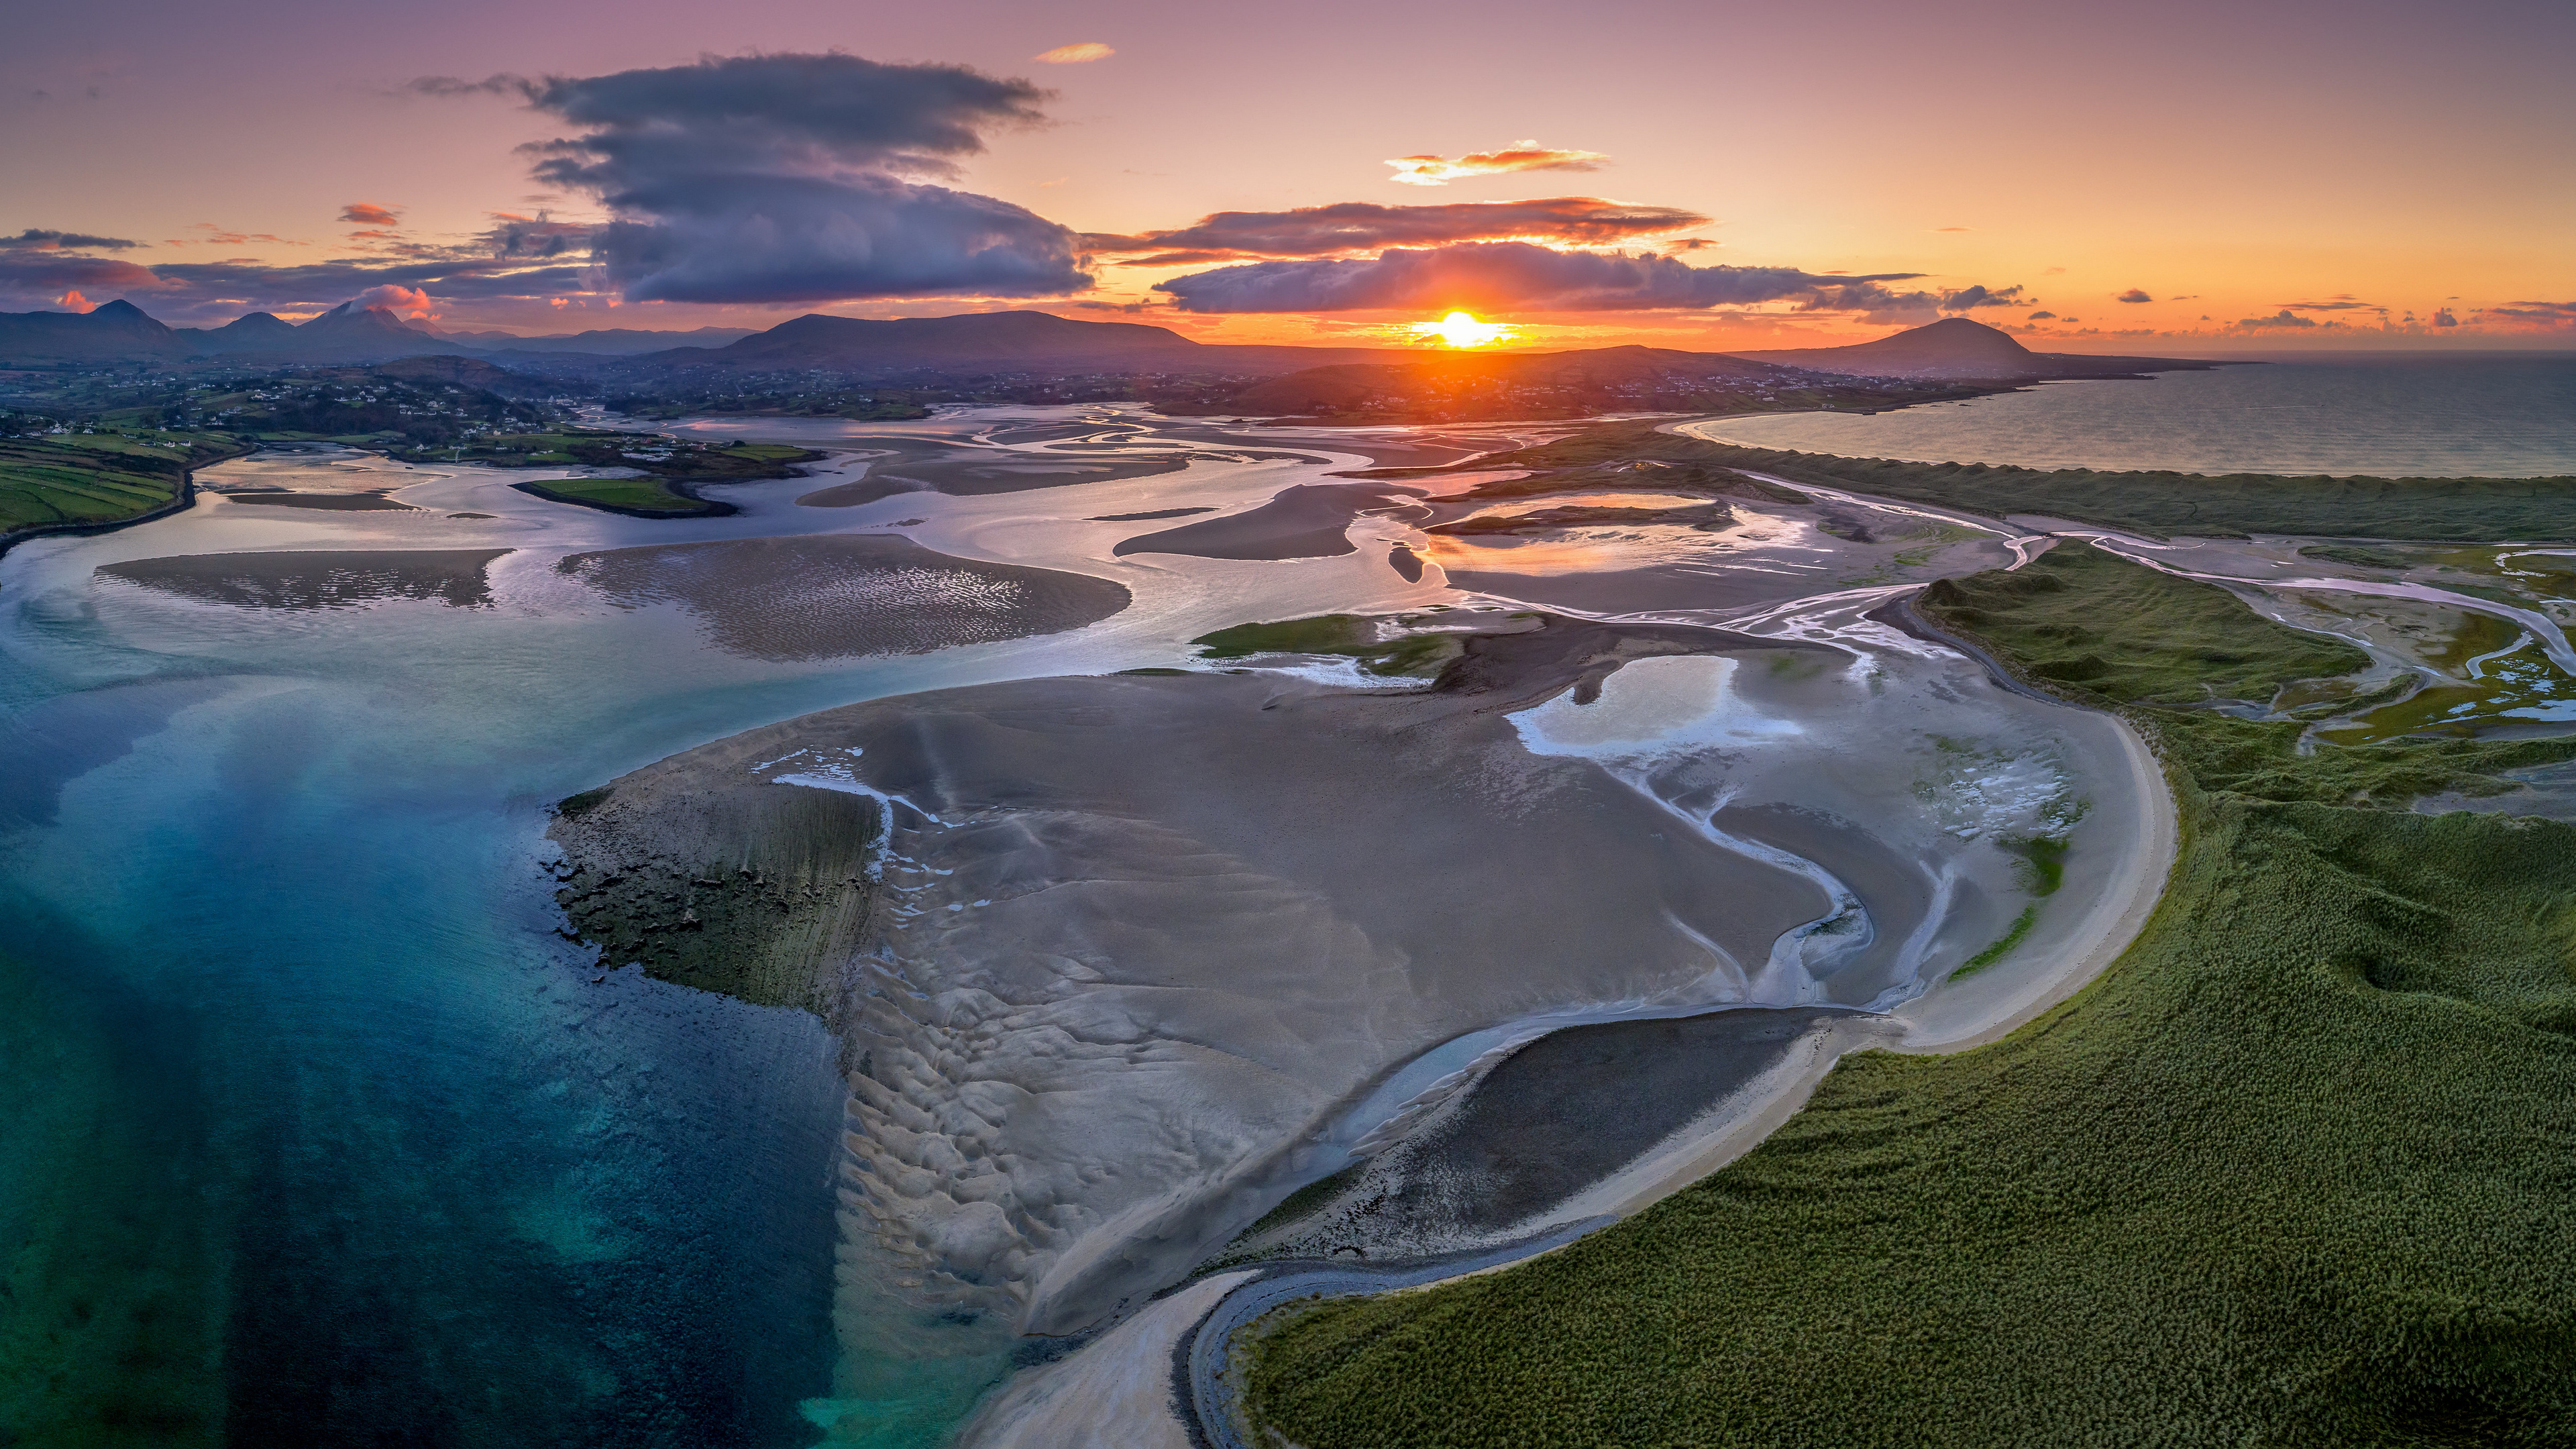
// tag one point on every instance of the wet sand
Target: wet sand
(317, 579)
(1550, 1121)
(328, 502)
(840, 595)
(1306, 520)
(912, 465)
(1156, 930)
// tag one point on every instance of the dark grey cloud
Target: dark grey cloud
(2041, 316)
(2443, 318)
(2134, 294)
(786, 239)
(1515, 276)
(1363, 226)
(39, 239)
(2530, 314)
(790, 178)
(1968, 299)
(2340, 304)
(2282, 319)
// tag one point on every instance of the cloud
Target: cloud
(2134, 294)
(2551, 315)
(368, 213)
(2041, 316)
(1514, 276)
(2283, 319)
(216, 236)
(39, 240)
(46, 274)
(1968, 299)
(1361, 226)
(1080, 53)
(193, 292)
(513, 235)
(73, 301)
(408, 301)
(2340, 304)
(2443, 318)
(1518, 156)
(787, 178)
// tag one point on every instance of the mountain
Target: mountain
(605, 341)
(351, 333)
(1957, 349)
(112, 332)
(990, 342)
(251, 332)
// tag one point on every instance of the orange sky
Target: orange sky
(2267, 176)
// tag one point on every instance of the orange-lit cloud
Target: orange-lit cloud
(406, 301)
(368, 213)
(1075, 54)
(1518, 156)
(73, 301)
(1364, 226)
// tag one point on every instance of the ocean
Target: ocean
(2487, 415)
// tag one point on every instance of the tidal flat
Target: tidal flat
(1013, 950)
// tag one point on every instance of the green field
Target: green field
(1347, 636)
(96, 478)
(2295, 1171)
(670, 464)
(2150, 503)
(645, 495)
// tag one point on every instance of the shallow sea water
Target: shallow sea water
(320, 1134)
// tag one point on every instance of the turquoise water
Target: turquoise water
(319, 1132)
(2480, 416)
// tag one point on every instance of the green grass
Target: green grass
(95, 478)
(640, 493)
(2139, 635)
(1343, 635)
(2463, 509)
(2295, 1171)
(2003, 945)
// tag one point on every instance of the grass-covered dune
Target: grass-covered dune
(2478, 509)
(2296, 1170)
(89, 480)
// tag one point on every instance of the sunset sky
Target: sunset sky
(2107, 178)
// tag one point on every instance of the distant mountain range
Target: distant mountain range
(1006, 342)
(119, 331)
(988, 343)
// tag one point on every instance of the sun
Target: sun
(1461, 329)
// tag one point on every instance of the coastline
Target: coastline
(185, 500)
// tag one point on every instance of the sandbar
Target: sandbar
(317, 579)
(841, 595)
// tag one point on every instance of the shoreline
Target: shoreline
(1948, 1018)
(186, 499)
(1976, 1015)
